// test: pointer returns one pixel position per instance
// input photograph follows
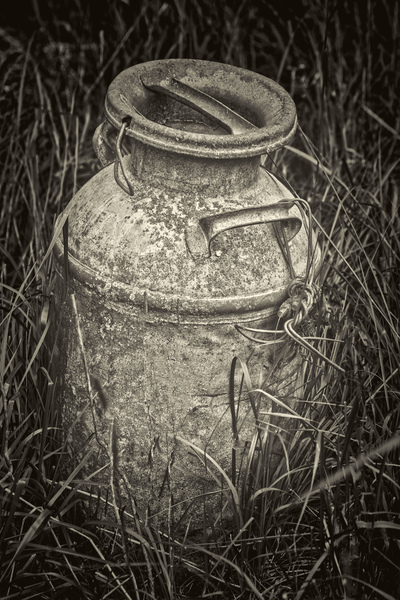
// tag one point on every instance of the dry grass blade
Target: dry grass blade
(206, 459)
(372, 114)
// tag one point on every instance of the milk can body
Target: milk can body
(171, 249)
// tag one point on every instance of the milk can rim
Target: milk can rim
(258, 93)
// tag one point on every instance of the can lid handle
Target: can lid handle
(204, 103)
(200, 235)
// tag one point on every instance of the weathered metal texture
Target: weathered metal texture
(160, 381)
(161, 278)
(258, 100)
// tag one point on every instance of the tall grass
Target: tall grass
(326, 522)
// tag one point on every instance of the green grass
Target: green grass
(326, 523)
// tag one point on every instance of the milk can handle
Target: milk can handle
(200, 235)
(104, 140)
(108, 144)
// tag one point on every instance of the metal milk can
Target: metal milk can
(180, 244)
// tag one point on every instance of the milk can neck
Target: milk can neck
(179, 171)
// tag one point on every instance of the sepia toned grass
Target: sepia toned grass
(325, 523)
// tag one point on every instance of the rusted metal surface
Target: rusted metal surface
(160, 381)
(140, 246)
(163, 272)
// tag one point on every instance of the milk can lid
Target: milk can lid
(264, 104)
